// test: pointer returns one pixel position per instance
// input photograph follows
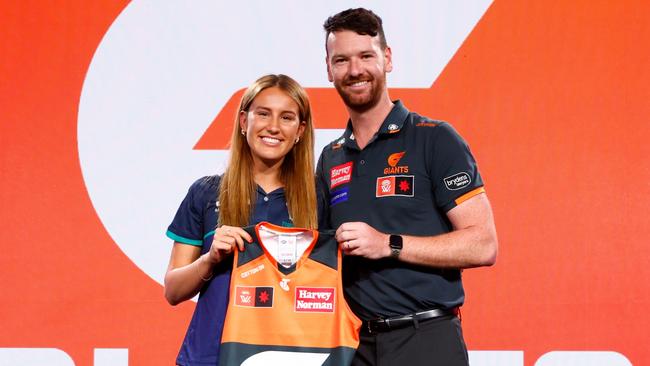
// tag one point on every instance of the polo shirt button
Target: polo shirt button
(266, 199)
(362, 162)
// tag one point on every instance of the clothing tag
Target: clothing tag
(287, 250)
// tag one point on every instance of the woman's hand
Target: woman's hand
(224, 241)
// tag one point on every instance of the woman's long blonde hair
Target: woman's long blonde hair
(237, 192)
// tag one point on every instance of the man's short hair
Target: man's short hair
(359, 20)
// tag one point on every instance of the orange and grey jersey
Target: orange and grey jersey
(286, 301)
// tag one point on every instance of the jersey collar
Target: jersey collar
(395, 119)
(391, 125)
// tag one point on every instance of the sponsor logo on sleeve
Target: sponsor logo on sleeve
(254, 296)
(315, 299)
(457, 181)
(340, 174)
(339, 195)
(395, 185)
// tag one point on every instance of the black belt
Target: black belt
(401, 321)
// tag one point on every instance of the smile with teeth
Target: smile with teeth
(358, 83)
(271, 140)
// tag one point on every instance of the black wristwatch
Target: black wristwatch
(395, 242)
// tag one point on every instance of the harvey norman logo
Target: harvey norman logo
(340, 174)
(315, 299)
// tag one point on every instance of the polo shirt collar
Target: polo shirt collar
(395, 119)
(392, 124)
(279, 192)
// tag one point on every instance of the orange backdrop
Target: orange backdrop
(553, 98)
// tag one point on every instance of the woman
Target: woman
(269, 177)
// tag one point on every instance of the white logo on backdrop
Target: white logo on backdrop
(165, 69)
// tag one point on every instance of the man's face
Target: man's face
(357, 66)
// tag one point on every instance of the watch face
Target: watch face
(395, 242)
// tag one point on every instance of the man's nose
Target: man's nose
(355, 67)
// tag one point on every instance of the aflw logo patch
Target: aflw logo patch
(395, 185)
(315, 299)
(254, 296)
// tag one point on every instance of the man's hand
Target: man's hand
(359, 238)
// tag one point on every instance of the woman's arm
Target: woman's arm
(188, 270)
(186, 273)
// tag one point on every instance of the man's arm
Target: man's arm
(472, 243)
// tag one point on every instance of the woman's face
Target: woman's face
(272, 125)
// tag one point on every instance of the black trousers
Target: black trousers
(433, 342)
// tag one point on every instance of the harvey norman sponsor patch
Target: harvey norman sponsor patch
(395, 185)
(315, 299)
(457, 181)
(254, 296)
(340, 174)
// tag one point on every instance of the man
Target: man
(408, 205)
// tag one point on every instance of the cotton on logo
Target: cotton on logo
(157, 103)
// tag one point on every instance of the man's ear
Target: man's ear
(388, 59)
(329, 72)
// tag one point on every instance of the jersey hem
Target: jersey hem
(469, 195)
(183, 240)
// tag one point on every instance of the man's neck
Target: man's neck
(366, 124)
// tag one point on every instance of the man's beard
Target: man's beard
(361, 103)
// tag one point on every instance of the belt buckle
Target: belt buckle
(371, 322)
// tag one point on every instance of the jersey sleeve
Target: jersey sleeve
(455, 175)
(187, 225)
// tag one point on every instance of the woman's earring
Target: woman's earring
(243, 133)
(297, 139)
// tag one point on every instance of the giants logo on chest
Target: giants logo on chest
(393, 168)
